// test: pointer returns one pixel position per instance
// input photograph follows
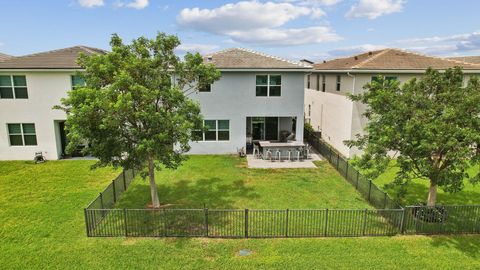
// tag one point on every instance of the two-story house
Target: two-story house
(331, 112)
(258, 97)
(30, 86)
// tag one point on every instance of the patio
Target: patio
(258, 163)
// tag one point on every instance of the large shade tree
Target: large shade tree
(134, 110)
(431, 126)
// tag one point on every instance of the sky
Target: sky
(293, 29)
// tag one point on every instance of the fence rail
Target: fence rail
(374, 195)
(104, 220)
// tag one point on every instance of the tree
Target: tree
(134, 111)
(430, 125)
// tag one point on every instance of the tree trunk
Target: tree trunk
(432, 194)
(153, 186)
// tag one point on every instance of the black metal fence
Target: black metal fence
(375, 196)
(104, 220)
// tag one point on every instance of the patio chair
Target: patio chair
(278, 153)
(269, 154)
(256, 151)
(307, 149)
(298, 153)
(290, 154)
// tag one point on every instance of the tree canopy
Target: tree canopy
(134, 110)
(431, 126)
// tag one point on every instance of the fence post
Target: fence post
(286, 223)
(125, 221)
(124, 181)
(369, 189)
(338, 160)
(364, 222)
(346, 171)
(402, 222)
(330, 149)
(86, 222)
(326, 223)
(358, 175)
(246, 223)
(114, 192)
(101, 200)
(384, 200)
(206, 221)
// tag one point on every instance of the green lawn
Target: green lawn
(42, 227)
(417, 190)
(224, 182)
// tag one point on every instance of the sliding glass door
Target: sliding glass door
(265, 128)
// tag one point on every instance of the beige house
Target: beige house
(327, 107)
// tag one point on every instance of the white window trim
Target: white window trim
(22, 134)
(268, 85)
(13, 87)
(217, 129)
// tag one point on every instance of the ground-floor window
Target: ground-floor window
(22, 134)
(215, 130)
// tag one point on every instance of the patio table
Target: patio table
(284, 147)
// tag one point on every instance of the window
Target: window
(318, 82)
(387, 78)
(268, 85)
(309, 110)
(77, 81)
(308, 81)
(339, 82)
(13, 87)
(204, 87)
(22, 134)
(215, 130)
(324, 82)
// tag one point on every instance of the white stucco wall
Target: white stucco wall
(233, 98)
(45, 89)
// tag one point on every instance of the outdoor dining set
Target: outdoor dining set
(281, 151)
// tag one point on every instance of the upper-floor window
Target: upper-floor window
(268, 85)
(308, 81)
(318, 82)
(215, 130)
(309, 110)
(13, 86)
(77, 81)
(324, 82)
(339, 82)
(22, 134)
(387, 78)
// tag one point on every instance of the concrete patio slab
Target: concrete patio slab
(256, 163)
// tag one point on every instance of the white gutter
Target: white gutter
(353, 84)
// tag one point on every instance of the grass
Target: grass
(417, 190)
(42, 227)
(224, 182)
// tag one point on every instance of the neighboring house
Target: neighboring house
(468, 59)
(327, 107)
(258, 97)
(29, 87)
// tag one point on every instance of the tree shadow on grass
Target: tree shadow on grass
(206, 192)
(467, 244)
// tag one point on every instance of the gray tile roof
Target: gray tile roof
(392, 59)
(4, 57)
(56, 59)
(239, 58)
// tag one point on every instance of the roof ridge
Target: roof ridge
(275, 57)
(438, 57)
(382, 52)
(88, 49)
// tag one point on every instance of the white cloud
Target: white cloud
(258, 23)
(373, 9)
(195, 47)
(91, 3)
(352, 50)
(136, 4)
(286, 37)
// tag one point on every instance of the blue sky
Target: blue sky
(294, 29)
